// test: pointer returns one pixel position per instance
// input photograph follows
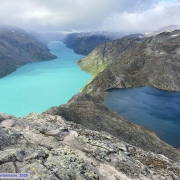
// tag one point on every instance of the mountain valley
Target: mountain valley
(83, 139)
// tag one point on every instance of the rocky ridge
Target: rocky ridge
(89, 111)
(129, 63)
(84, 43)
(17, 48)
(51, 148)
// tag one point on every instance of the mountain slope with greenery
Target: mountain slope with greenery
(153, 62)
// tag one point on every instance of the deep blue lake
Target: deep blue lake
(152, 108)
(35, 87)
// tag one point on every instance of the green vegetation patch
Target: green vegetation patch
(93, 68)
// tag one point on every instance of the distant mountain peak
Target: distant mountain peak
(168, 28)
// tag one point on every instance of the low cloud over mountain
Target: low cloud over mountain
(82, 15)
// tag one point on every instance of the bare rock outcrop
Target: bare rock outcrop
(91, 113)
(26, 145)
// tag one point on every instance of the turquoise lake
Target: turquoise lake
(149, 107)
(35, 87)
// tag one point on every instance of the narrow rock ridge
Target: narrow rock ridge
(92, 114)
(30, 145)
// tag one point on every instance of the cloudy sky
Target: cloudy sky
(87, 15)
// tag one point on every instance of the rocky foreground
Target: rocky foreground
(84, 140)
(51, 148)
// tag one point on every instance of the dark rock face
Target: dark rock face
(153, 62)
(18, 48)
(91, 113)
(84, 44)
(30, 145)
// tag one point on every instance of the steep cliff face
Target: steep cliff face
(105, 54)
(51, 148)
(18, 48)
(84, 44)
(153, 62)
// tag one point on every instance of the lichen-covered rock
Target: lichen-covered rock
(67, 165)
(82, 154)
(8, 137)
(59, 134)
(38, 171)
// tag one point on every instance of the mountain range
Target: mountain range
(84, 43)
(123, 63)
(83, 139)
